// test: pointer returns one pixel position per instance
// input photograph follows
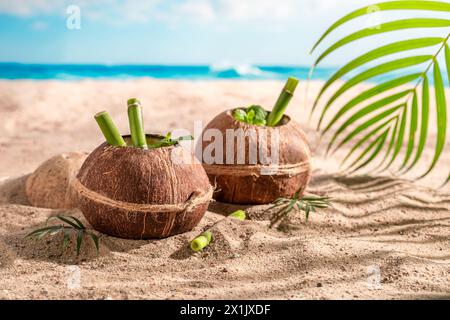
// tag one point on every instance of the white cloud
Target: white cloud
(194, 10)
(142, 11)
(29, 7)
(257, 9)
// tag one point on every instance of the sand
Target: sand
(382, 227)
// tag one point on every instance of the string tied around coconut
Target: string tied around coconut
(197, 198)
(258, 170)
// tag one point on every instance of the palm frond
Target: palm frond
(308, 204)
(72, 226)
(441, 115)
(379, 128)
(386, 6)
(371, 73)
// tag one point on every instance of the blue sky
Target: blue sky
(264, 32)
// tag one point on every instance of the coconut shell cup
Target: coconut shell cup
(49, 185)
(134, 193)
(259, 182)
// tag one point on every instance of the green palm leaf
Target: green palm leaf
(367, 137)
(373, 72)
(448, 179)
(441, 113)
(381, 88)
(385, 6)
(424, 122)
(364, 112)
(383, 28)
(447, 61)
(400, 138)
(412, 130)
(378, 53)
(377, 145)
(391, 145)
(404, 127)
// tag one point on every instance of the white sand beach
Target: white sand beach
(380, 225)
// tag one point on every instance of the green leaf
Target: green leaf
(391, 143)
(250, 116)
(446, 181)
(377, 145)
(385, 6)
(441, 113)
(447, 61)
(183, 138)
(78, 222)
(96, 241)
(378, 53)
(381, 88)
(67, 233)
(400, 137)
(40, 233)
(375, 71)
(79, 240)
(307, 210)
(240, 115)
(365, 111)
(412, 129)
(367, 137)
(260, 115)
(64, 219)
(424, 121)
(383, 28)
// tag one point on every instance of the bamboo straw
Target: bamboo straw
(201, 241)
(204, 239)
(109, 129)
(283, 100)
(136, 121)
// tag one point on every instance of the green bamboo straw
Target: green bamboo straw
(283, 100)
(136, 121)
(204, 239)
(109, 129)
(201, 241)
(239, 214)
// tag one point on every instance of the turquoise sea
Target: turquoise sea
(206, 72)
(98, 71)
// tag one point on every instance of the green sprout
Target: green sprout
(307, 204)
(256, 115)
(167, 141)
(72, 226)
(252, 115)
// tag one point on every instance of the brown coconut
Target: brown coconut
(256, 182)
(49, 185)
(140, 194)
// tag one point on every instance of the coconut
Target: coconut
(49, 185)
(136, 193)
(257, 180)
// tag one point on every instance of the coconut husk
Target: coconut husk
(49, 185)
(257, 182)
(140, 194)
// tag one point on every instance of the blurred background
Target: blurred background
(191, 39)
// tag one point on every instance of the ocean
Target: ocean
(13, 71)
(97, 71)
